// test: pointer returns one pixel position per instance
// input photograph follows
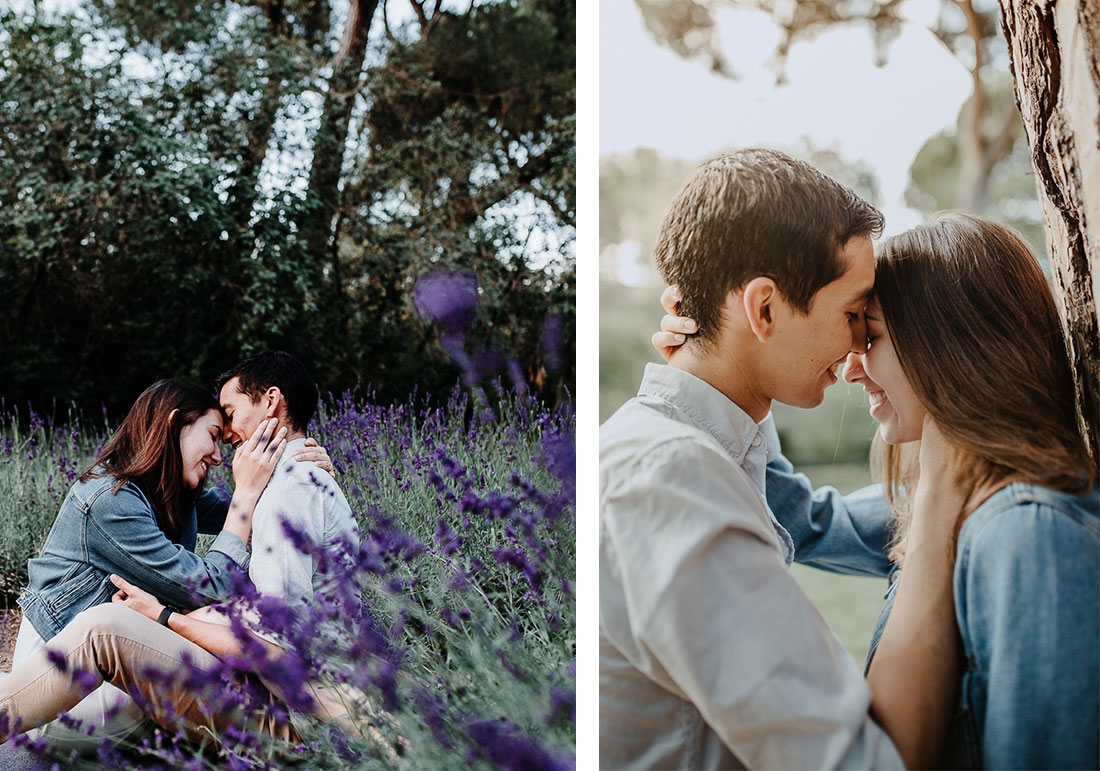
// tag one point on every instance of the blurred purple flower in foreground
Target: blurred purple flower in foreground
(551, 341)
(447, 298)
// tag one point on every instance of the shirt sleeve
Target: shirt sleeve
(843, 534)
(717, 618)
(211, 508)
(124, 538)
(1027, 586)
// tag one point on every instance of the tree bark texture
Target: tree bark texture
(1054, 47)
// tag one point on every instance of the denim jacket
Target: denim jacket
(1027, 604)
(98, 532)
(842, 534)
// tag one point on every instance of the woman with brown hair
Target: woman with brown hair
(968, 378)
(136, 512)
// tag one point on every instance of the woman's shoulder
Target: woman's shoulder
(1032, 517)
(101, 492)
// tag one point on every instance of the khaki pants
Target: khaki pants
(114, 714)
(118, 645)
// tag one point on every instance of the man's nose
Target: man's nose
(853, 367)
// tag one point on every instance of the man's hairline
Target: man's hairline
(704, 342)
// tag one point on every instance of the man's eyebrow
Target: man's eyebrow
(863, 296)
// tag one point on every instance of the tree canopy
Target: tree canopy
(185, 183)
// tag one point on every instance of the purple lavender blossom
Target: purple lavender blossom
(502, 743)
(560, 456)
(466, 545)
(448, 299)
(563, 704)
(550, 341)
(57, 659)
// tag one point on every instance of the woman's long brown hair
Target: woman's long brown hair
(146, 448)
(979, 339)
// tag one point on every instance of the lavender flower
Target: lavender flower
(448, 299)
(456, 600)
(503, 744)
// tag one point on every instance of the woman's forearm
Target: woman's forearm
(238, 520)
(914, 674)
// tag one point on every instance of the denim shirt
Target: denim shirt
(98, 532)
(1027, 604)
(846, 534)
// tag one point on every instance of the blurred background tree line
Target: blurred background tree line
(183, 183)
(981, 164)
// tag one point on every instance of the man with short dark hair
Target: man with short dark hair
(270, 385)
(275, 379)
(711, 656)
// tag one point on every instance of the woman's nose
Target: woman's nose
(853, 368)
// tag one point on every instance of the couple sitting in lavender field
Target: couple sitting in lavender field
(116, 617)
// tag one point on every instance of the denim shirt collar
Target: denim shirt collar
(749, 444)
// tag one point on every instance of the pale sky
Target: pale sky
(835, 96)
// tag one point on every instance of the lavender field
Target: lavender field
(448, 635)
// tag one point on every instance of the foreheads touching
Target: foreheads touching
(757, 213)
(268, 384)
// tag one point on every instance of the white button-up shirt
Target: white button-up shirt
(711, 655)
(309, 499)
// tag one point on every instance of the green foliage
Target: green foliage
(1009, 195)
(838, 430)
(156, 194)
(39, 459)
(470, 120)
(624, 344)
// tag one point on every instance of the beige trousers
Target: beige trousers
(118, 645)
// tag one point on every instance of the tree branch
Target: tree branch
(977, 100)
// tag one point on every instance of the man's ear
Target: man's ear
(273, 398)
(758, 300)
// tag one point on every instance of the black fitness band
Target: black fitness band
(162, 619)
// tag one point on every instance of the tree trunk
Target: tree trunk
(1054, 47)
(320, 226)
(332, 134)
